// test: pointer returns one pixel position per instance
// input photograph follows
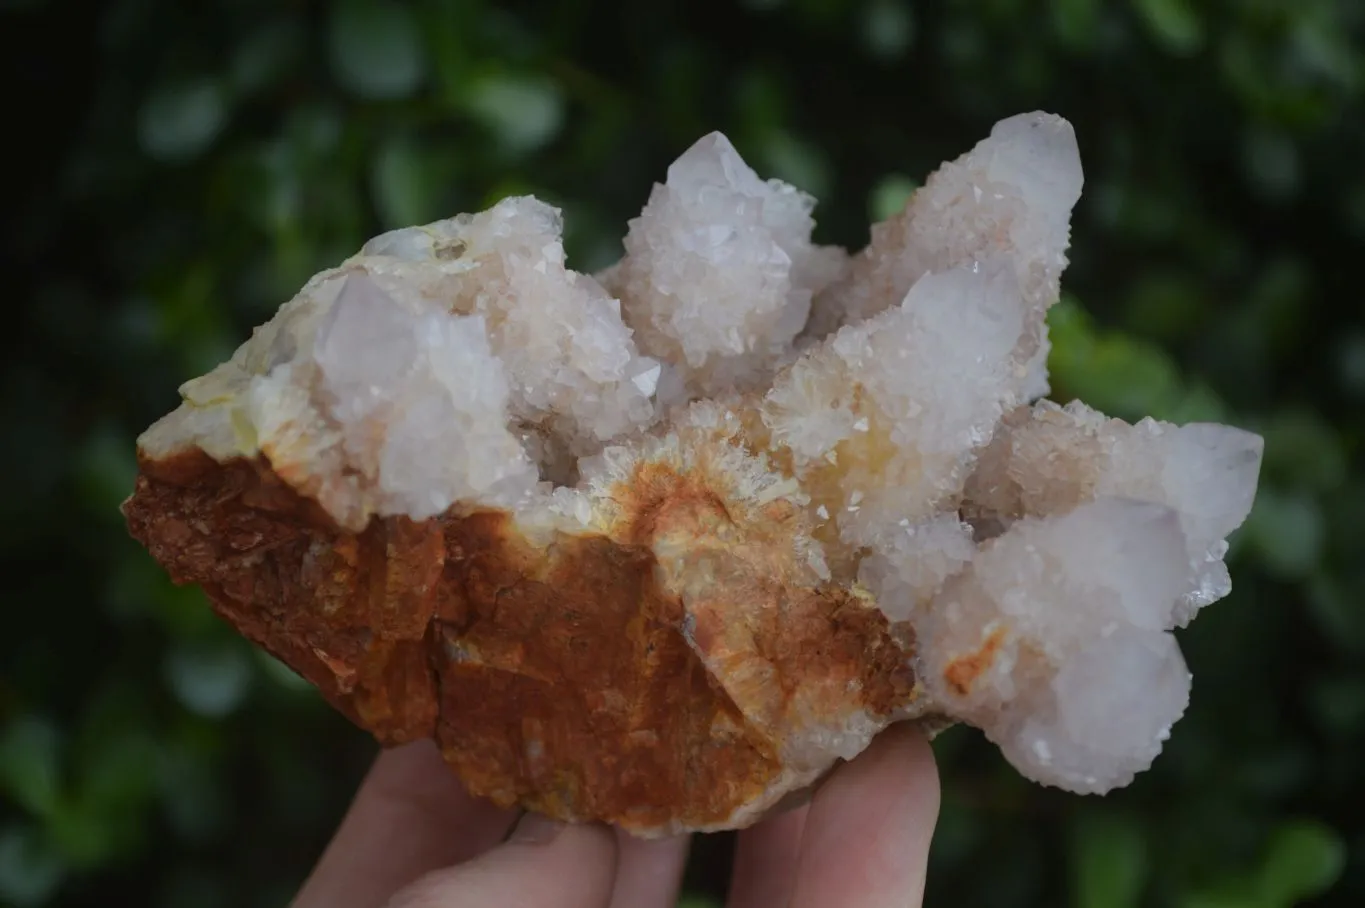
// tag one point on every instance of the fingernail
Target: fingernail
(536, 829)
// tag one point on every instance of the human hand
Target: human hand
(414, 839)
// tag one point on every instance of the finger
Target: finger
(543, 864)
(648, 873)
(866, 841)
(765, 861)
(411, 815)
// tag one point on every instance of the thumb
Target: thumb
(543, 863)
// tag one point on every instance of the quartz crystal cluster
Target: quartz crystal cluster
(662, 545)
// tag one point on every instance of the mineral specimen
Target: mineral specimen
(662, 546)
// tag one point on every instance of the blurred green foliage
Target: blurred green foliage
(184, 167)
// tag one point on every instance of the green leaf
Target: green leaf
(1274, 772)
(513, 184)
(180, 121)
(1116, 374)
(1173, 23)
(524, 112)
(375, 49)
(1339, 704)
(30, 869)
(591, 241)
(1198, 403)
(1070, 326)
(1164, 304)
(1304, 859)
(797, 162)
(1334, 605)
(1270, 160)
(759, 100)
(118, 773)
(192, 795)
(890, 196)
(1324, 44)
(279, 674)
(1121, 375)
(261, 59)
(195, 886)
(1234, 895)
(1108, 858)
(107, 468)
(1303, 450)
(315, 132)
(1287, 528)
(209, 678)
(30, 764)
(83, 836)
(961, 828)
(1351, 365)
(697, 900)
(888, 28)
(401, 183)
(1075, 21)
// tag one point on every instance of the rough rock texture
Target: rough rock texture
(661, 547)
(578, 678)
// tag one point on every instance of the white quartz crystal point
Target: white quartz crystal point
(458, 361)
(1010, 198)
(1209, 472)
(366, 397)
(1054, 643)
(570, 360)
(882, 419)
(719, 270)
(1049, 459)
(419, 402)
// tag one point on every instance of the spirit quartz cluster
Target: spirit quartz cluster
(662, 545)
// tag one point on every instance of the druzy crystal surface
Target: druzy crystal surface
(662, 545)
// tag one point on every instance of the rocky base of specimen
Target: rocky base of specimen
(558, 675)
(661, 546)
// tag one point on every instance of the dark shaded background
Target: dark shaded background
(176, 170)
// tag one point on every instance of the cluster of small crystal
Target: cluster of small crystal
(1047, 459)
(1041, 554)
(1008, 200)
(1056, 641)
(720, 271)
(459, 361)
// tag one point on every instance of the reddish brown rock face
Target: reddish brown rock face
(589, 679)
